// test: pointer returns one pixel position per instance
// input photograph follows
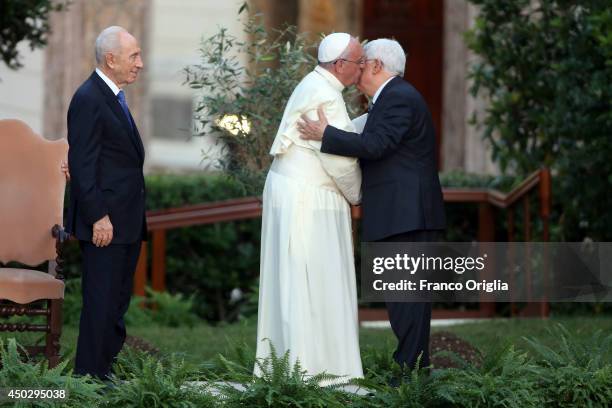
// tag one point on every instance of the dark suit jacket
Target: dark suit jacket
(106, 157)
(401, 189)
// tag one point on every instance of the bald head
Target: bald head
(108, 41)
(118, 55)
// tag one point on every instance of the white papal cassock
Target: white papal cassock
(307, 290)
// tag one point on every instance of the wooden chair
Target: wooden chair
(31, 208)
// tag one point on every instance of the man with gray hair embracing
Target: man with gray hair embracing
(107, 198)
(401, 193)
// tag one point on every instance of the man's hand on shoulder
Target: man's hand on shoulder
(102, 232)
(312, 129)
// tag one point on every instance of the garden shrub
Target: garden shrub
(578, 367)
(546, 69)
(208, 262)
(145, 381)
(576, 370)
(161, 308)
(16, 373)
(283, 384)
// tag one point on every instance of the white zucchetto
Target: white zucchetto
(332, 46)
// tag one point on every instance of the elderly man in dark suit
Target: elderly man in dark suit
(107, 198)
(402, 198)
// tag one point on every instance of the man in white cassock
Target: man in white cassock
(307, 289)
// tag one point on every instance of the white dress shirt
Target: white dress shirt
(108, 81)
(379, 90)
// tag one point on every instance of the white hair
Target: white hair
(389, 52)
(108, 41)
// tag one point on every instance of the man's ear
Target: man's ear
(378, 67)
(338, 67)
(110, 59)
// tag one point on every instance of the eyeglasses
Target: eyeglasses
(373, 59)
(360, 61)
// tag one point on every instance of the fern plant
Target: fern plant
(417, 389)
(16, 372)
(578, 368)
(236, 366)
(379, 367)
(144, 381)
(282, 384)
(172, 310)
(506, 378)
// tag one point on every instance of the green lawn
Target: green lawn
(204, 341)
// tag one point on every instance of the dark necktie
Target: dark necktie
(124, 106)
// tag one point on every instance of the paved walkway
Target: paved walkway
(384, 324)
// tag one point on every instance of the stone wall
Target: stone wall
(70, 56)
(326, 16)
(462, 144)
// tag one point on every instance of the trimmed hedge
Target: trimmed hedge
(209, 262)
(206, 262)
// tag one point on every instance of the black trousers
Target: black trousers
(107, 283)
(411, 321)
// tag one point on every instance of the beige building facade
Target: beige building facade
(170, 33)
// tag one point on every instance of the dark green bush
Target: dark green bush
(579, 368)
(546, 68)
(170, 310)
(208, 262)
(15, 373)
(145, 381)
(282, 384)
(507, 378)
(205, 262)
(19, 24)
